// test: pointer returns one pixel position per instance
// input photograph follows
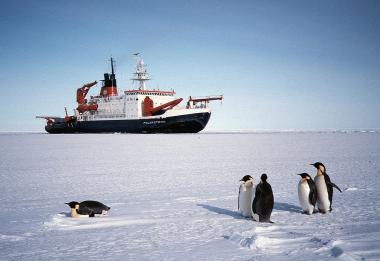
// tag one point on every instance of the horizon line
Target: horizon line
(237, 131)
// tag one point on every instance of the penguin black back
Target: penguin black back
(330, 190)
(95, 206)
(263, 203)
(88, 207)
(313, 192)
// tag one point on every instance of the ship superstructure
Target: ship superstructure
(139, 110)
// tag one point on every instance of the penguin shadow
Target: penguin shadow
(222, 211)
(287, 207)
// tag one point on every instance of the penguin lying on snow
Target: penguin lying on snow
(246, 192)
(87, 208)
(262, 205)
(324, 188)
(307, 193)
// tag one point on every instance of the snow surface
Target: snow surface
(174, 197)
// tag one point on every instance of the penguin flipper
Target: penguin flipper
(257, 196)
(329, 183)
(313, 192)
(239, 198)
(335, 186)
(329, 188)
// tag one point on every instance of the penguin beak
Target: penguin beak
(67, 203)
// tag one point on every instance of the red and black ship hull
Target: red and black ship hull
(190, 123)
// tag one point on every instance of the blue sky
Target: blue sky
(279, 64)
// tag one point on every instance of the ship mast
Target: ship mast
(141, 75)
(109, 87)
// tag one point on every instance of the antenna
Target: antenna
(112, 65)
(141, 75)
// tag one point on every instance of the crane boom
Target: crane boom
(82, 92)
(206, 98)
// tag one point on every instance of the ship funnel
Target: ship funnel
(109, 87)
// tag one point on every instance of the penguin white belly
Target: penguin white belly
(323, 201)
(245, 200)
(75, 214)
(303, 196)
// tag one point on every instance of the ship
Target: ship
(138, 110)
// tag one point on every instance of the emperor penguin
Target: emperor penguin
(87, 208)
(246, 192)
(263, 202)
(307, 193)
(324, 188)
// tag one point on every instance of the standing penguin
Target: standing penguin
(324, 188)
(307, 193)
(262, 205)
(246, 192)
(87, 208)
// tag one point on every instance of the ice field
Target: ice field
(174, 197)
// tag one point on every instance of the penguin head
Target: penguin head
(320, 166)
(246, 178)
(264, 178)
(73, 204)
(304, 176)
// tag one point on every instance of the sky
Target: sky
(299, 65)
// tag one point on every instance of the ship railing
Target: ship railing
(198, 106)
(201, 106)
(110, 116)
(113, 116)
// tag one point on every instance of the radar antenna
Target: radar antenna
(141, 75)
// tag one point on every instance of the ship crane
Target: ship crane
(149, 110)
(81, 98)
(50, 120)
(203, 100)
